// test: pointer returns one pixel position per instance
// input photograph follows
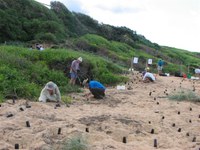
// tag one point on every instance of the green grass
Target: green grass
(185, 95)
(76, 143)
(24, 72)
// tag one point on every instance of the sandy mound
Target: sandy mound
(124, 120)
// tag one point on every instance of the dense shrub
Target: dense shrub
(24, 72)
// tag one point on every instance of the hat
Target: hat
(80, 59)
(147, 68)
(84, 82)
(50, 86)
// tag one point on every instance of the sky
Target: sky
(173, 23)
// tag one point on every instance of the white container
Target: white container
(194, 78)
(121, 87)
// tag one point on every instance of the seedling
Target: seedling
(124, 140)
(21, 109)
(28, 124)
(155, 143)
(16, 146)
(57, 105)
(59, 130)
(86, 129)
(152, 131)
(194, 139)
(28, 106)
(9, 115)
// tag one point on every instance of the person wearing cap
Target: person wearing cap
(148, 77)
(96, 88)
(74, 69)
(197, 72)
(50, 92)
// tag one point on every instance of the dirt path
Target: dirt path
(124, 120)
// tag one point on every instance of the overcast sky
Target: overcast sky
(174, 23)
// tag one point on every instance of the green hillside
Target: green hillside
(23, 72)
(107, 50)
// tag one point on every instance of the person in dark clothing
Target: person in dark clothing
(96, 88)
(160, 66)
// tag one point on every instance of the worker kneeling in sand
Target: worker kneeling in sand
(148, 77)
(96, 88)
(197, 72)
(50, 93)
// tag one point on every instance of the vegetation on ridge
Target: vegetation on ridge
(107, 50)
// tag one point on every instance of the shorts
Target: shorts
(73, 75)
(160, 67)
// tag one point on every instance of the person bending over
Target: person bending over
(50, 92)
(148, 77)
(96, 88)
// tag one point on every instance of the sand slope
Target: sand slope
(134, 116)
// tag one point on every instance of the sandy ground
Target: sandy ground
(130, 119)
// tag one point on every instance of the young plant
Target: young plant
(76, 143)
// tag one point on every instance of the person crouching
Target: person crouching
(148, 77)
(96, 88)
(50, 92)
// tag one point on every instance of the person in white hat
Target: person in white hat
(74, 69)
(50, 92)
(197, 72)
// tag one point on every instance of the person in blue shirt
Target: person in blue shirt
(96, 88)
(160, 66)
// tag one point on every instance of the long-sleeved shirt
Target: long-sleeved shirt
(150, 75)
(45, 94)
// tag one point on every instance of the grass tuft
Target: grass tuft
(76, 143)
(185, 95)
